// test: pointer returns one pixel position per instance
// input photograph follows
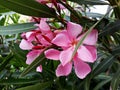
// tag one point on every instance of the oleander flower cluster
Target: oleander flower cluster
(37, 41)
(59, 45)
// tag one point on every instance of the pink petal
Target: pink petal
(93, 51)
(63, 70)
(73, 29)
(61, 39)
(44, 26)
(30, 36)
(61, 6)
(52, 54)
(81, 69)
(91, 39)
(25, 45)
(65, 56)
(39, 68)
(32, 55)
(84, 54)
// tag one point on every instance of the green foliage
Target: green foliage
(28, 7)
(18, 28)
(16, 75)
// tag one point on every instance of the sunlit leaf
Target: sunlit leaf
(90, 2)
(15, 29)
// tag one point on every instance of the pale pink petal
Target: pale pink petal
(44, 26)
(64, 70)
(30, 36)
(84, 54)
(81, 69)
(61, 6)
(61, 39)
(32, 55)
(65, 56)
(91, 39)
(73, 30)
(25, 45)
(93, 51)
(52, 54)
(39, 68)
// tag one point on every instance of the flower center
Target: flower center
(74, 42)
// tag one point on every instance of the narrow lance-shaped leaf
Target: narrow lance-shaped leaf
(6, 61)
(102, 83)
(28, 7)
(116, 80)
(103, 65)
(39, 86)
(15, 29)
(18, 81)
(90, 2)
(110, 28)
(3, 9)
(116, 51)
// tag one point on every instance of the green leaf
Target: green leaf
(18, 81)
(39, 86)
(116, 80)
(3, 9)
(28, 7)
(116, 51)
(33, 65)
(110, 28)
(20, 56)
(103, 65)
(90, 2)
(6, 61)
(102, 83)
(15, 29)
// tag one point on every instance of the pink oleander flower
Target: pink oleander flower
(37, 41)
(67, 40)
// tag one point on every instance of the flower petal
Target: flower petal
(32, 55)
(73, 29)
(81, 69)
(39, 68)
(93, 51)
(85, 55)
(61, 39)
(52, 54)
(64, 70)
(44, 26)
(65, 56)
(91, 39)
(25, 45)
